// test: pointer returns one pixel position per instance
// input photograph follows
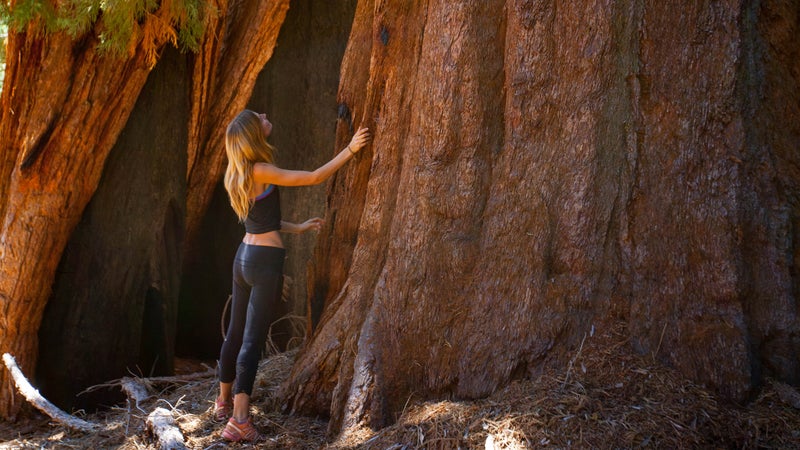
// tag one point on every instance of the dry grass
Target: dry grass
(608, 397)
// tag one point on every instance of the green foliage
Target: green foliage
(193, 27)
(120, 17)
(82, 14)
(118, 23)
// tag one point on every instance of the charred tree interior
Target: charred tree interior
(114, 301)
(297, 88)
(206, 281)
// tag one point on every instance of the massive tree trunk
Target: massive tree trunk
(538, 170)
(61, 110)
(124, 261)
(61, 114)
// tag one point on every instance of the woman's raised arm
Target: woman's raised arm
(271, 174)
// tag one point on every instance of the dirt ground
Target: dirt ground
(607, 397)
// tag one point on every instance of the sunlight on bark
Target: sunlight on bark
(3, 35)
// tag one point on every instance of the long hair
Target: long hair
(245, 145)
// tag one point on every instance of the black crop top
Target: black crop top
(265, 214)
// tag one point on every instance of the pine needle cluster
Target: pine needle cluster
(120, 26)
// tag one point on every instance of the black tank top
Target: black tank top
(265, 214)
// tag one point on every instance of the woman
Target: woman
(252, 181)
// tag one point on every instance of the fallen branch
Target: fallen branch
(210, 372)
(161, 425)
(148, 382)
(42, 404)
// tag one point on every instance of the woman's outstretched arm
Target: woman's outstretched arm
(310, 224)
(272, 174)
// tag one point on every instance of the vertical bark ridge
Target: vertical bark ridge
(365, 77)
(769, 187)
(629, 36)
(685, 220)
(445, 186)
(326, 364)
(552, 196)
(386, 101)
(380, 217)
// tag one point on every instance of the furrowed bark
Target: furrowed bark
(539, 170)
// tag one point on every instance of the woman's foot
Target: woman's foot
(236, 431)
(222, 410)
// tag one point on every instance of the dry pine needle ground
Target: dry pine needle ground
(608, 397)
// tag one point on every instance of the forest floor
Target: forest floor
(607, 397)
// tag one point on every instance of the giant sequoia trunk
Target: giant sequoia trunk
(123, 263)
(538, 169)
(61, 110)
(60, 116)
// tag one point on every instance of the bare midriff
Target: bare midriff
(268, 239)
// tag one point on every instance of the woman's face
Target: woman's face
(266, 124)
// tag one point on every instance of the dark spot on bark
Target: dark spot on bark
(384, 35)
(343, 113)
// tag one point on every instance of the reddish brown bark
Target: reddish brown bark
(539, 170)
(686, 288)
(63, 106)
(235, 48)
(718, 297)
(61, 113)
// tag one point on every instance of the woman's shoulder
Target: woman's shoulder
(264, 172)
(262, 167)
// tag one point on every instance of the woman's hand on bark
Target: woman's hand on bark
(359, 140)
(312, 224)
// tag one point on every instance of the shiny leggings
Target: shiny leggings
(257, 286)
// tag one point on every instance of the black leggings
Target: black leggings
(257, 286)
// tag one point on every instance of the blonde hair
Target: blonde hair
(245, 144)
